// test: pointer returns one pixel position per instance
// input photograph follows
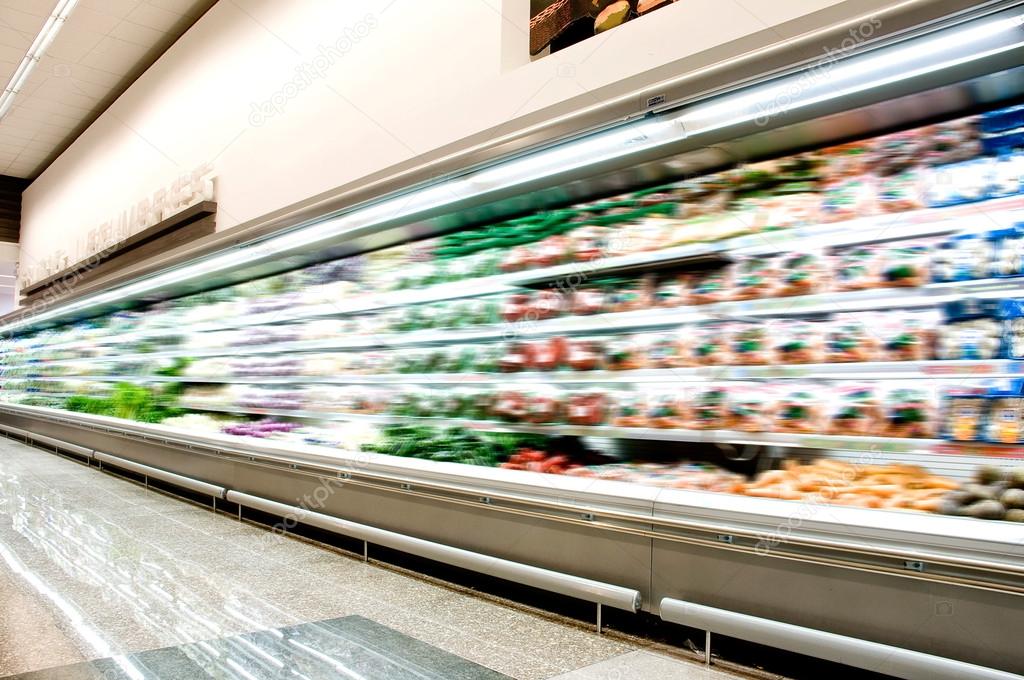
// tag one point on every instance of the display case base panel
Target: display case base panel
(948, 620)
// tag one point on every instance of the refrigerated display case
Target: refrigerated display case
(759, 351)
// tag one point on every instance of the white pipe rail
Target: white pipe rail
(163, 475)
(544, 579)
(872, 656)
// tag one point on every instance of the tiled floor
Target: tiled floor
(93, 567)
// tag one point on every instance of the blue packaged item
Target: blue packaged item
(1008, 173)
(1003, 143)
(1000, 120)
(971, 330)
(1011, 315)
(956, 183)
(1007, 246)
(963, 413)
(963, 257)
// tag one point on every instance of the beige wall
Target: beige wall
(387, 80)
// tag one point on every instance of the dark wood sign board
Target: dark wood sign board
(192, 223)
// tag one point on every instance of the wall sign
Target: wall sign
(185, 191)
(557, 24)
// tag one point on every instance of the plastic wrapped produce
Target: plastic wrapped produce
(962, 258)
(909, 412)
(952, 141)
(905, 265)
(589, 299)
(711, 345)
(847, 160)
(630, 409)
(709, 408)
(669, 350)
(849, 338)
(666, 408)
(749, 344)
(628, 295)
(855, 410)
(802, 274)
(1004, 423)
(754, 277)
(956, 183)
(545, 304)
(906, 336)
(748, 408)
(799, 410)
(858, 268)
(969, 338)
(897, 152)
(545, 404)
(797, 342)
(518, 356)
(848, 198)
(585, 354)
(900, 191)
(625, 353)
(590, 408)
(672, 291)
(1007, 251)
(709, 288)
(511, 405)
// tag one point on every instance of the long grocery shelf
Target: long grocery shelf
(822, 303)
(781, 439)
(886, 227)
(926, 370)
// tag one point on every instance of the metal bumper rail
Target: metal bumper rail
(872, 656)
(49, 441)
(544, 579)
(204, 488)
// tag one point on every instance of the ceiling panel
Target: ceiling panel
(104, 46)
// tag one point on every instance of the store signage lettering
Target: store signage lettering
(185, 191)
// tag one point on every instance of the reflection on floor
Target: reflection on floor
(96, 568)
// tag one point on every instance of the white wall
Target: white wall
(411, 76)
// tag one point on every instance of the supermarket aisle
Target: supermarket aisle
(107, 580)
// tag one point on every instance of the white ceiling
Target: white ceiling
(104, 46)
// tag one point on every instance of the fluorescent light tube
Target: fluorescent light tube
(40, 44)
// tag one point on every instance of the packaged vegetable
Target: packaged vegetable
(709, 408)
(754, 277)
(588, 300)
(671, 292)
(666, 408)
(630, 410)
(585, 354)
(1007, 251)
(625, 353)
(545, 405)
(515, 307)
(797, 342)
(902, 190)
(669, 350)
(711, 345)
(907, 336)
(963, 413)
(1004, 423)
(748, 408)
(849, 198)
(709, 288)
(799, 410)
(545, 304)
(956, 183)
(905, 265)
(908, 412)
(849, 338)
(550, 354)
(856, 411)
(511, 405)
(897, 152)
(847, 160)
(969, 338)
(518, 356)
(628, 295)
(589, 408)
(962, 258)
(858, 268)
(749, 344)
(802, 274)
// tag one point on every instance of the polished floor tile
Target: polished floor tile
(640, 664)
(94, 567)
(350, 647)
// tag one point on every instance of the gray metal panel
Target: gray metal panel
(974, 626)
(574, 586)
(170, 477)
(901, 663)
